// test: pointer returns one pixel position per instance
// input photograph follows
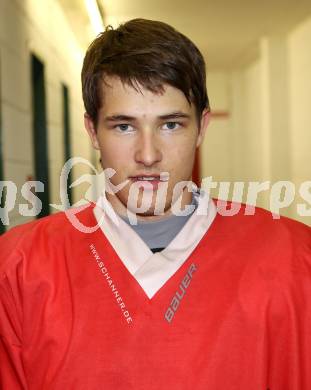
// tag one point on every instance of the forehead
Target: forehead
(118, 96)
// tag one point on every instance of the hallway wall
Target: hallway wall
(260, 128)
(267, 136)
(38, 27)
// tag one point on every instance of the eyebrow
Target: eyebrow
(122, 117)
(175, 115)
(119, 117)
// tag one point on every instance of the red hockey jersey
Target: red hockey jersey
(226, 306)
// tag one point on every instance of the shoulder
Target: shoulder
(42, 233)
(255, 223)
(274, 256)
(274, 249)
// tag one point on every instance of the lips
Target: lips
(150, 177)
(146, 178)
(150, 181)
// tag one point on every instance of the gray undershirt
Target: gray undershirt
(158, 234)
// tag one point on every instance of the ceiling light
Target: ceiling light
(95, 16)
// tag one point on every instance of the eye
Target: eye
(124, 127)
(171, 125)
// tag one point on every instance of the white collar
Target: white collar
(152, 270)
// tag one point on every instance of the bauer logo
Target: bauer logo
(180, 293)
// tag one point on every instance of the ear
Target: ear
(205, 118)
(90, 127)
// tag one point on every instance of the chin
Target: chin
(148, 213)
(133, 206)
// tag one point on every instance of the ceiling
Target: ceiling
(226, 31)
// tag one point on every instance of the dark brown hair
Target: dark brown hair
(148, 53)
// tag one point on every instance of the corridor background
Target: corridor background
(258, 77)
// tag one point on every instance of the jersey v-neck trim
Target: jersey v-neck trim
(153, 270)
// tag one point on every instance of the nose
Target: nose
(147, 149)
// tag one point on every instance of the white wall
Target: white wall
(39, 27)
(267, 136)
(299, 55)
(246, 123)
(215, 151)
(232, 148)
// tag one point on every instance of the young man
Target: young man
(184, 298)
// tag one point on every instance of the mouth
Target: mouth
(150, 181)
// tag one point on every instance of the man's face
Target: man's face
(141, 135)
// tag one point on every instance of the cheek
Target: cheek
(185, 143)
(182, 154)
(114, 153)
(180, 167)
